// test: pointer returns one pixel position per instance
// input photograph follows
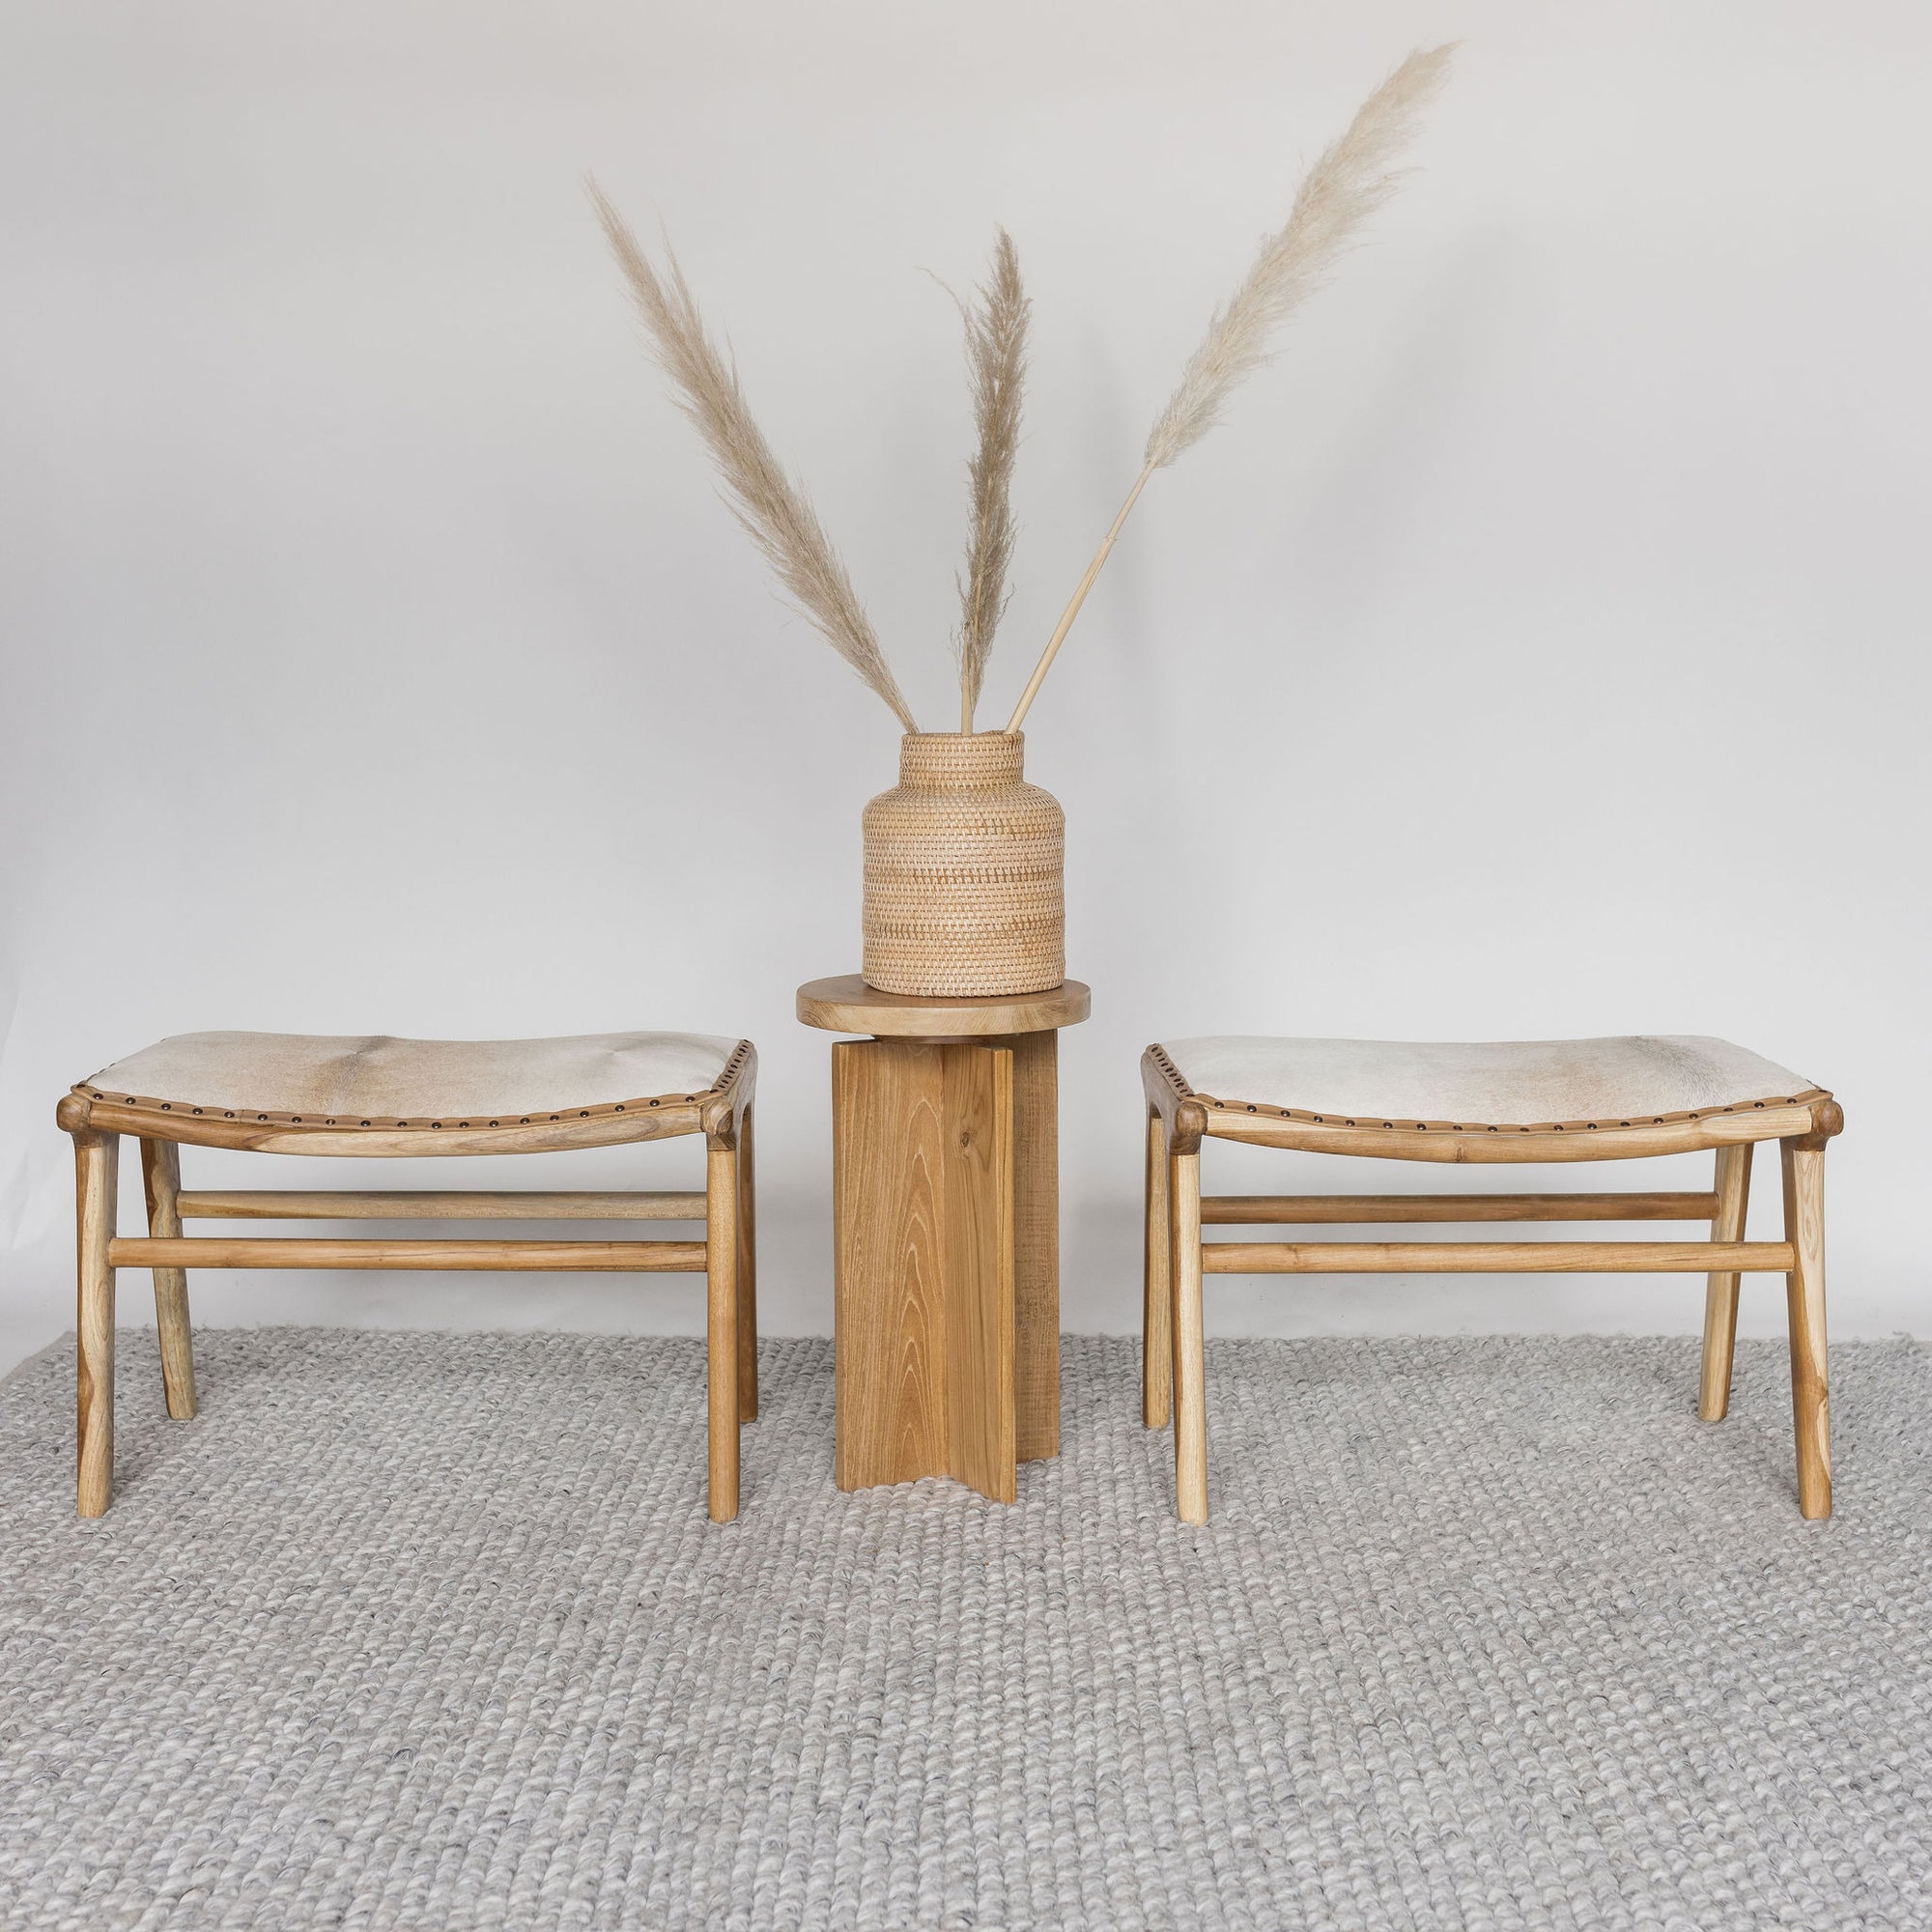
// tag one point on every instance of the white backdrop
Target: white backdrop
(1539, 649)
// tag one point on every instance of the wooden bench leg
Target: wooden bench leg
(160, 1174)
(97, 1162)
(1190, 1384)
(721, 1256)
(1804, 1294)
(1720, 1290)
(748, 1276)
(1157, 1325)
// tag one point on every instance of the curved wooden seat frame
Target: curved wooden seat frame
(98, 1118)
(1180, 1119)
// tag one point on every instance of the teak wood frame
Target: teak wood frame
(1178, 1257)
(727, 1206)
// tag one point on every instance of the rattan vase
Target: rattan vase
(964, 860)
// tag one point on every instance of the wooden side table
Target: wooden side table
(946, 1186)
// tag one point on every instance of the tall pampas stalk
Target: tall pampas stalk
(775, 512)
(1345, 187)
(996, 330)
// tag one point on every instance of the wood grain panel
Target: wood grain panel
(978, 1257)
(888, 1184)
(1035, 1109)
(845, 1003)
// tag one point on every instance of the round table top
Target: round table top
(847, 1005)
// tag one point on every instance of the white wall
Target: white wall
(1539, 649)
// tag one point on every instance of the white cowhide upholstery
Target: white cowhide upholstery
(373, 1073)
(1516, 1082)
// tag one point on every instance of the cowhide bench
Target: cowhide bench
(1479, 1103)
(294, 1093)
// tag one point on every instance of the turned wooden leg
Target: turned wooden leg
(721, 1257)
(97, 1161)
(1720, 1290)
(1804, 1294)
(748, 1277)
(160, 1174)
(1156, 1339)
(1190, 1382)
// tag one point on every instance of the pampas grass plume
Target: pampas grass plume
(996, 330)
(774, 511)
(1345, 185)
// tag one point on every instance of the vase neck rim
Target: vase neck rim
(954, 760)
(964, 737)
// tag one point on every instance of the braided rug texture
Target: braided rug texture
(431, 1630)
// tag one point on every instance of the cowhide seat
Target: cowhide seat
(1509, 1101)
(302, 1095)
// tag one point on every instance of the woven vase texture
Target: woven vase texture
(964, 873)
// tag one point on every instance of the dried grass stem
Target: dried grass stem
(996, 330)
(1345, 185)
(774, 511)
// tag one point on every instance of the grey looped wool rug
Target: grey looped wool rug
(431, 1630)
